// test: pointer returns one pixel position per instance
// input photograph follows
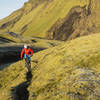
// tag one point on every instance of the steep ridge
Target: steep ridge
(54, 19)
(36, 17)
(78, 22)
(70, 71)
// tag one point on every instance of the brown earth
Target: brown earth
(78, 22)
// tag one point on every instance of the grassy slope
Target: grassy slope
(7, 36)
(35, 42)
(70, 70)
(94, 21)
(41, 18)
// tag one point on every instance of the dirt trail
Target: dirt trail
(20, 92)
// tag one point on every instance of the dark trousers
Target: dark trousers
(28, 64)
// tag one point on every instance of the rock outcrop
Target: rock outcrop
(78, 22)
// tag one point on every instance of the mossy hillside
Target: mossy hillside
(68, 71)
(10, 77)
(94, 22)
(34, 42)
(78, 22)
(11, 38)
(7, 23)
(38, 20)
(43, 43)
(45, 17)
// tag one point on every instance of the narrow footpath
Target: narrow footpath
(20, 92)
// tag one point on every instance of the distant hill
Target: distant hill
(54, 19)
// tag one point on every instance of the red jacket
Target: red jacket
(26, 51)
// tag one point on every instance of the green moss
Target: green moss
(70, 70)
(38, 20)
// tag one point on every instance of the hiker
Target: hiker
(26, 53)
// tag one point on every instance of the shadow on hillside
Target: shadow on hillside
(20, 92)
(2, 66)
(12, 55)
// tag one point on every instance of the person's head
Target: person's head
(25, 46)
